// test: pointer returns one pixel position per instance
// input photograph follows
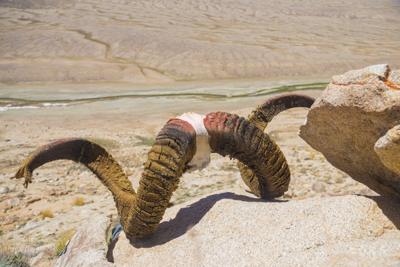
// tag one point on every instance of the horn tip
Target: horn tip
(23, 172)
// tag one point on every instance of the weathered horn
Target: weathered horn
(274, 181)
(93, 156)
(168, 158)
(139, 213)
(264, 113)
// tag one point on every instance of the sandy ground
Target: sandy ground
(127, 127)
(163, 41)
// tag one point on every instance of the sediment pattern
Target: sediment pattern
(161, 41)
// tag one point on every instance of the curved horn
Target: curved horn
(264, 113)
(140, 213)
(174, 148)
(93, 156)
(266, 168)
(275, 181)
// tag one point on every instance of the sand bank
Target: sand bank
(163, 41)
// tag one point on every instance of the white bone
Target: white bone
(201, 158)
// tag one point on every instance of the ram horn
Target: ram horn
(275, 182)
(264, 113)
(169, 157)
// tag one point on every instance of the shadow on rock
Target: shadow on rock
(390, 206)
(186, 218)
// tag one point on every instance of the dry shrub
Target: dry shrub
(47, 213)
(11, 257)
(62, 241)
(78, 201)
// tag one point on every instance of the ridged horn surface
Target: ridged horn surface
(237, 137)
(174, 147)
(264, 113)
(93, 156)
(275, 182)
(140, 213)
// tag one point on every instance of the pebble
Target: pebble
(10, 219)
(12, 202)
(37, 259)
(4, 190)
(32, 225)
(33, 200)
(45, 249)
(82, 188)
(319, 187)
(86, 189)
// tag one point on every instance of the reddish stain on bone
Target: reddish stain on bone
(392, 85)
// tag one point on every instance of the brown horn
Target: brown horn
(93, 156)
(139, 213)
(264, 113)
(273, 182)
(174, 148)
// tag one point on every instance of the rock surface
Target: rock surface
(229, 229)
(355, 110)
(4, 190)
(88, 246)
(388, 149)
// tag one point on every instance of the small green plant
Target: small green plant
(47, 213)
(78, 201)
(144, 141)
(62, 241)
(12, 258)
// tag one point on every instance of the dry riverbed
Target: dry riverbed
(163, 41)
